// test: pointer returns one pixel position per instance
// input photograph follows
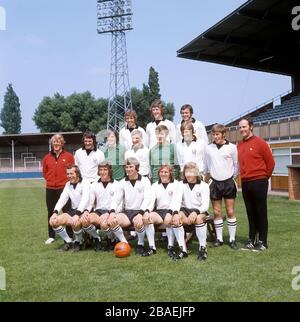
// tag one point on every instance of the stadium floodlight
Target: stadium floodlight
(115, 17)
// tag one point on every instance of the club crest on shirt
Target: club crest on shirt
(170, 193)
(112, 193)
(198, 194)
(140, 190)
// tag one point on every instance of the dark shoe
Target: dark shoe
(76, 247)
(249, 245)
(202, 254)
(66, 247)
(218, 243)
(97, 245)
(149, 252)
(139, 250)
(233, 245)
(180, 255)
(171, 251)
(260, 247)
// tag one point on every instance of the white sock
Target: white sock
(201, 234)
(141, 236)
(78, 235)
(219, 229)
(150, 232)
(179, 233)
(231, 224)
(118, 231)
(171, 236)
(61, 231)
(91, 230)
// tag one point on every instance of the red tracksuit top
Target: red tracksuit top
(255, 158)
(54, 170)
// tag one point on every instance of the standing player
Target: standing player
(131, 125)
(78, 190)
(190, 149)
(136, 192)
(221, 162)
(163, 153)
(89, 157)
(186, 112)
(157, 111)
(195, 203)
(166, 201)
(54, 171)
(115, 154)
(140, 152)
(256, 167)
(101, 194)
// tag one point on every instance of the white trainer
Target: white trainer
(49, 241)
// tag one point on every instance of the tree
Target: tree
(77, 112)
(153, 83)
(11, 114)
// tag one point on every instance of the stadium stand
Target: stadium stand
(259, 36)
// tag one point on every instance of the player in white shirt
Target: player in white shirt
(186, 112)
(78, 190)
(101, 195)
(166, 200)
(221, 162)
(157, 112)
(135, 190)
(195, 204)
(89, 157)
(131, 125)
(139, 151)
(190, 149)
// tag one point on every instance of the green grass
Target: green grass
(36, 272)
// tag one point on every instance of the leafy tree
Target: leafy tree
(77, 112)
(153, 84)
(11, 114)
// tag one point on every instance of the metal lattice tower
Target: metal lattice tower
(115, 17)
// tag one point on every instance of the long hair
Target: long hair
(171, 170)
(90, 135)
(106, 165)
(191, 166)
(77, 171)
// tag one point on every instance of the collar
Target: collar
(110, 181)
(251, 137)
(139, 178)
(132, 128)
(193, 121)
(55, 155)
(220, 145)
(158, 121)
(165, 184)
(74, 185)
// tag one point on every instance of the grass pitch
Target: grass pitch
(35, 272)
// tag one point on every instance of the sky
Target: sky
(52, 46)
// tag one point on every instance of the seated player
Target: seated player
(78, 190)
(221, 162)
(136, 192)
(166, 198)
(195, 204)
(101, 195)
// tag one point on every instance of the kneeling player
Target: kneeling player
(102, 193)
(195, 203)
(77, 189)
(136, 191)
